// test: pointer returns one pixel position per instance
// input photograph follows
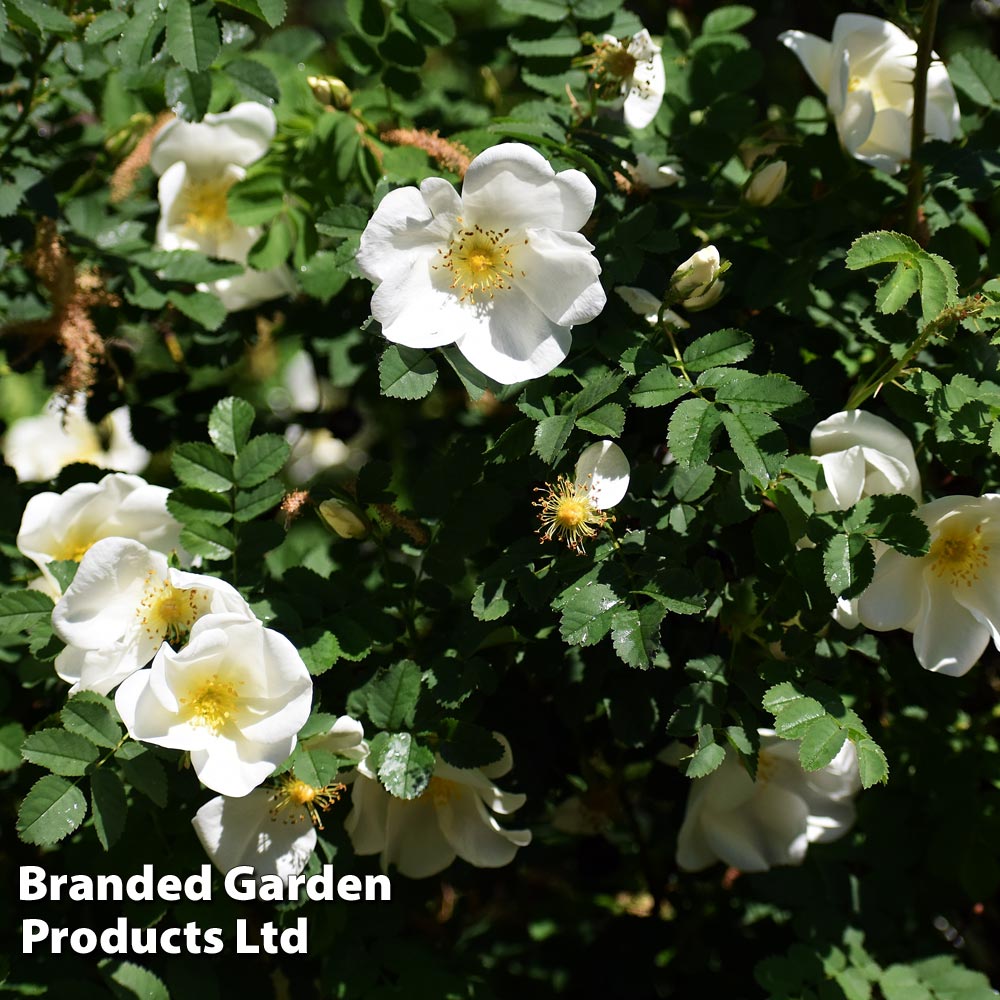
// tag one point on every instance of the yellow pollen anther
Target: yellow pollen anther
(74, 550)
(853, 84)
(479, 261)
(167, 613)
(212, 703)
(441, 790)
(959, 557)
(202, 206)
(301, 799)
(567, 511)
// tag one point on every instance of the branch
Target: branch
(915, 182)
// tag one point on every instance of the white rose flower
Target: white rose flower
(234, 697)
(647, 305)
(254, 830)
(696, 282)
(766, 184)
(314, 450)
(198, 162)
(37, 448)
(345, 738)
(452, 817)
(573, 509)
(61, 526)
(862, 456)
(123, 603)
(639, 66)
(866, 72)
(755, 825)
(500, 271)
(950, 598)
(647, 173)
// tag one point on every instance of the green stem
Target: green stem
(891, 370)
(915, 182)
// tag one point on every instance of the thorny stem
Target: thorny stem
(915, 182)
(892, 370)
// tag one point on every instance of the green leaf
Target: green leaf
(897, 288)
(108, 806)
(587, 613)
(192, 506)
(763, 393)
(59, 751)
(210, 541)
(193, 34)
(44, 17)
(188, 94)
(432, 19)
(11, 738)
(607, 421)
(204, 308)
(872, 763)
(724, 347)
(342, 221)
(393, 695)
(316, 767)
(821, 742)
(545, 10)
(92, 715)
(51, 810)
(24, 611)
(758, 443)
(469, 746)
(405, 767)
(882, 247)
(538, 41)
(848, 564)
(691, 431)
(489, 602)
(261, 499)
(261, 458)
(144, 773)
(254, 81)
(726, 19)
(322, 277)
(635, 634)
(271, 11)
(976, 72)
(200, 465)
(551, 436)
(707, 757)
(368, 16)
(105, 26)
(321, 654)
(938, 285)
(659, 387)
(406, 372)
(128, 981)
(256, 199)
(229, 424)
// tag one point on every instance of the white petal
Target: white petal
(100, 605)
(645, 94)
(413, 840)
(367, 821)
(514, 186)
(782, 818)
(640, 301)
(514, 340)
(844, 472)
(605, 468)
(894, 597)
(475, 835)
(402, 224)
(856, 121)
(235, 768)
(240, 135)
(814, 53)
(99, 670)
(560, 276)
(251, 288)
(417, 308)
(244, 831)
(946, 637)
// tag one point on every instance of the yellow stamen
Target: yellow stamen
(442, 791)
(568, 512)
(479, 260)
(959, 556)
(167, 613)
(212, 703)
(302, 799)
(202, 206)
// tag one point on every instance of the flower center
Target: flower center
(479, 261)
(203, 206)
(617, 61)
(212, 703)
(568, 512)
(167, 613)
(959, 557)
(854, 84)
(302, 799)
(74, 550)
(442, 791)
